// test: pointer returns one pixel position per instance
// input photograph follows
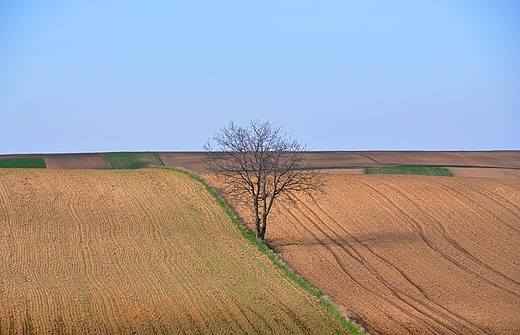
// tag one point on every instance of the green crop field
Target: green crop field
(411, 170)
(22, 163)
(146, 251)
(132, 160)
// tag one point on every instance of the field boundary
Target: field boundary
(369, 157)
(325, 160)
(341, 312)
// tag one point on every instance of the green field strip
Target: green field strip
(37, 162)
(132, 160)
(411, 170)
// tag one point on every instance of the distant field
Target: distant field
(84, 161)
(132, 160)
(144, 251)
(489, 164)
(22, 163)
(411, 170)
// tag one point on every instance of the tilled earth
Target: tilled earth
(144, 251)
(410, 254)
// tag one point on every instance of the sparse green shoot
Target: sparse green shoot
(411, 170)
(132, 160)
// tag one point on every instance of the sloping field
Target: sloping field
(340, 158)
(76, 161)
(66, 161)
(410, 254)
(193, 161)
(502, 159)
(132, 160)
(136, 251)
(486, 172)
(353, 159)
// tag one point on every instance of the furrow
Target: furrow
(475, 204)
(419, 228)
(408, 200)
(139, 232)
(496, 198)
(142, 251)
(343, 267)
(437, 313)
(451, 241)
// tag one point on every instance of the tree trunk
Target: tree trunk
(258, 228)
(263, 224)
(257, 218)
(261, 237)
(263, 221)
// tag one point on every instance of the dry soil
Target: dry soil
(409, 254)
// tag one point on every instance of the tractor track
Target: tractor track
(438, 312)
(451, 241)
(420, 229)
(421, 248)
(345, 270)
(427, 312)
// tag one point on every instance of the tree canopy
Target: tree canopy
(258, 164)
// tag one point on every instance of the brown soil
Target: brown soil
(343, 171)
(340, 158)
(410, 254)
(508, 161)
(136, 252)
(486, 172)
(193, 161)
(500, 164)
(67, 161)
(75, 161)
(503, 159)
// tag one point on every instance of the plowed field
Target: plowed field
(410, 254)
(75, 161)
(492, 164)
(136, 251)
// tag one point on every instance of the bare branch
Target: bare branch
(261, 163)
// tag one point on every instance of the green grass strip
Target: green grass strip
(38, 163)
(132, 160)
(271, 254)
(411, 170)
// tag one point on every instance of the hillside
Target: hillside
(409, 254)
(136, 251)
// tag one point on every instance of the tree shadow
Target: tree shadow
(384, 239)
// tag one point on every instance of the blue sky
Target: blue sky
(95, 76)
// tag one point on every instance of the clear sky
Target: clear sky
(95, 76)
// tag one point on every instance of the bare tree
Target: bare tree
(259, 164)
